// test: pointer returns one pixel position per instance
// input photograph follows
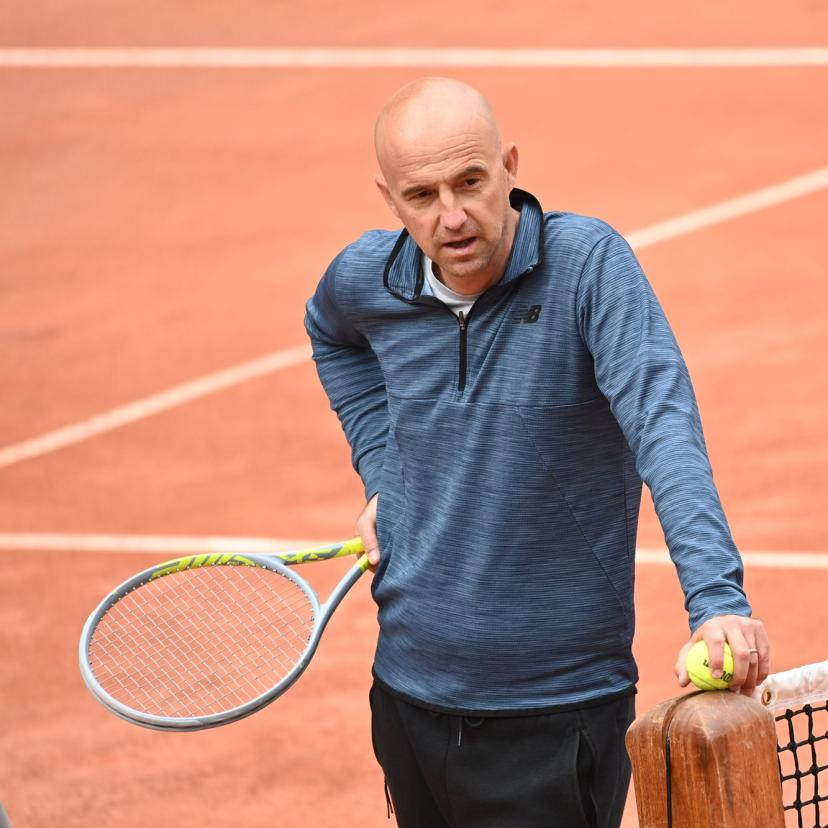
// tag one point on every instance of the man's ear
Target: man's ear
(386, 194)
(510, 162)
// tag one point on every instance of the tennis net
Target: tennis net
(798, 700)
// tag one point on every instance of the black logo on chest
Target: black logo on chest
(527, 314)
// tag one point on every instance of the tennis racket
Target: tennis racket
(205, 640)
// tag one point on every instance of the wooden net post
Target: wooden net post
(706, 759)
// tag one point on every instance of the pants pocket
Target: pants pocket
(585, 767)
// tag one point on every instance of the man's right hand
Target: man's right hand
(366, 527)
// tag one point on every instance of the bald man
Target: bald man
(506, 379)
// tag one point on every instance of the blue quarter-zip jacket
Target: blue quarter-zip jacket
(508, 452)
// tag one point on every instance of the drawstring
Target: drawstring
(389, 805)
(470, 722)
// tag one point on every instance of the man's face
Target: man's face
(450, 187)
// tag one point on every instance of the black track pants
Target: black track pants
(556, 770)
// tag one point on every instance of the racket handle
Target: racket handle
(323, 553)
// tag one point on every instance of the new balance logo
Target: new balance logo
(527, 314)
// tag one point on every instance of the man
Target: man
(506, 379)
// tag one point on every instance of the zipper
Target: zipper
(461, 362)
(463, 325)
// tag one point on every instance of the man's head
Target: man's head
(447, 177)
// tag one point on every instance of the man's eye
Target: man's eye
(471, 182)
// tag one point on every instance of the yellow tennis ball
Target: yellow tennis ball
(698, 668)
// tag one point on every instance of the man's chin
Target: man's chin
(464, 270)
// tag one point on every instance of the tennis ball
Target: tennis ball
(698, 668)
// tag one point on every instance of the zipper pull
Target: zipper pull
(462, 320)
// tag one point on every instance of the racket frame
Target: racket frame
(276, 564)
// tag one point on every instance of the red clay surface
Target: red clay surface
(156, 226)
(528, 23)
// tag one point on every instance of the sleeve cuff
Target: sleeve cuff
(719, 600)
(370, 469)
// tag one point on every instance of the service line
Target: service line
(189, 545)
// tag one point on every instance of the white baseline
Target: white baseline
(173, 57)
(140, 409)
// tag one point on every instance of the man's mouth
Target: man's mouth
(461, 244)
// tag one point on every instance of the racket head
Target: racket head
(162, 648)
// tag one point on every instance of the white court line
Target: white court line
(161, 544)
(759, 560)
(183, 545)
(140, 409)
(725, 210)
(322, 57)
(154, 404)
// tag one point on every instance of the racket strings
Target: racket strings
(201, 641)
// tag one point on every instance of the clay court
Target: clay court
(164, 224)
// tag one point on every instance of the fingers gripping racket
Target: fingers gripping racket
(205, 640)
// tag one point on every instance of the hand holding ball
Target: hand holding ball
(698, 668)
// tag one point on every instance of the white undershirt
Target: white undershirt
(456, 302)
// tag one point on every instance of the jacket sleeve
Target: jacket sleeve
(352, 378)
(640, 369)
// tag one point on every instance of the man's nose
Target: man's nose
(453, 217)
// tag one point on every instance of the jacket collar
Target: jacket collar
(403, 276)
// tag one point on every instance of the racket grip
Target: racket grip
(323, 553)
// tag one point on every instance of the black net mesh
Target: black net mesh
(803, 764)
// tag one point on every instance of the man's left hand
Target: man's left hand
(748, 643)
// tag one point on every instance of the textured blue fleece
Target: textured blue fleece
(508, 508)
